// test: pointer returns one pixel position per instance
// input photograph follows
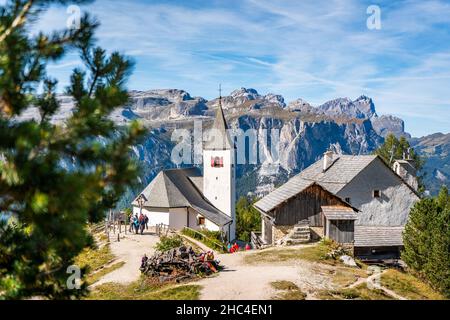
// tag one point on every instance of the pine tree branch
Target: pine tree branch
(19, 20)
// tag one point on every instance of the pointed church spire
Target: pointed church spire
(219, 138)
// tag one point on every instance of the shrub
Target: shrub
(202, 237)
(169, 242)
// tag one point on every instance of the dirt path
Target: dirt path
(374, 281)
(130, 249)
(241, 281)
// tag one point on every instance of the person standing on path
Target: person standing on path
(141, 223)
(131, 223)
(136, 224)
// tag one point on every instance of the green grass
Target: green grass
(289, 291)
(345, 276)
(284, 285)
(314, 253)
(141, 290)
(360, 292)
(94, 277)
(94, 258)
(408, 286)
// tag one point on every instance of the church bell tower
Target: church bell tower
(219, 170)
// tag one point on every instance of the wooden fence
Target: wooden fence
(114, 222)
(162, 229)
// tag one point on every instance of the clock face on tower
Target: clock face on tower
(217, 162)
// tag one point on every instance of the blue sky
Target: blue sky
(314, 50)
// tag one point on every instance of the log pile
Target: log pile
(179, 264)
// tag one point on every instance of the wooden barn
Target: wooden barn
(356, 200)
(339, 223)
(306, 206)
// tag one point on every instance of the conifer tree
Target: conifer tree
(394, 148)
(417, 234)
(426, 240)
(438, 265)
(248, 218)
(55, 178)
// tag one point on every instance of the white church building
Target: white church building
(185, 198)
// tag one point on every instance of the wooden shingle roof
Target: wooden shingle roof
(378, 236)
(339, 213)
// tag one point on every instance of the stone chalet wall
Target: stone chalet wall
(279, 232)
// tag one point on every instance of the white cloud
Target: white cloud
(317, 50)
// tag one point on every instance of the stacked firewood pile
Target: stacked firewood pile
(179, 264)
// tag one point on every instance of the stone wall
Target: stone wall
(279, 232)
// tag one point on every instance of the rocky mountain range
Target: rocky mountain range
(435, 148)
(306, 132)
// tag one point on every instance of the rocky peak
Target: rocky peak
(301, 105)
(361, 108)
(243, 93)
(275, 99)
(169, 95)
(366, 105)
(387, 124)
(165, 104)
(240, 98)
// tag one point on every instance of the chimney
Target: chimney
(327, 159)
(407, 171)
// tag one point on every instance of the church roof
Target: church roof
(179, 188)
(219, 139)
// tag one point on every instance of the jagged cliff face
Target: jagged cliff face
(435, 149)
(305, 131)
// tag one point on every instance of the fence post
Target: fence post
(114, 221)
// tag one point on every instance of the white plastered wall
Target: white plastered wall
(155, 215)
(219, 184)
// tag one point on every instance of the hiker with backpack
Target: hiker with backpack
(141, 223)
(136, 224)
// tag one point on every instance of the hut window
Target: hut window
(348, 200)
(376, 193)
(201, 221)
